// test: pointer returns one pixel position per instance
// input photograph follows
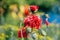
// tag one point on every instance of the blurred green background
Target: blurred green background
(12, 14)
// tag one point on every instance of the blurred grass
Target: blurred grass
(8, 31)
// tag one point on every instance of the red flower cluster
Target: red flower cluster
(33, 21)
(33, 7)
(23, 33)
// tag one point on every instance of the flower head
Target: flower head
(22, 33)
(33, 8)
(26, 10)
(33, 21)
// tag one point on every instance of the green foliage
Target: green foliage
(41, 2)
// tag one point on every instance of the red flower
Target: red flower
(33, 7)
(23, 33)
(46, 22)
(33, 21)
(26, 10)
